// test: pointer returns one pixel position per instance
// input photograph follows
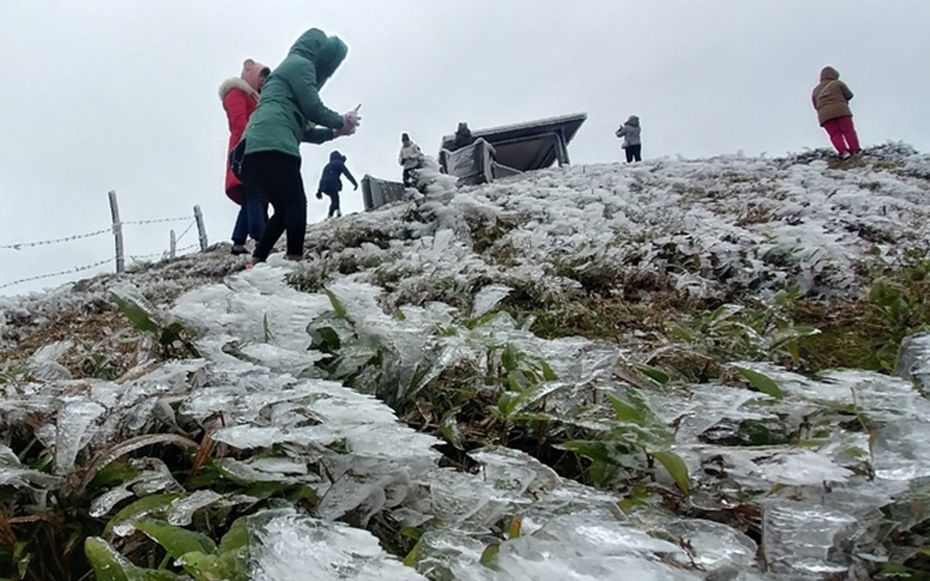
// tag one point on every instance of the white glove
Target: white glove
(350, 122)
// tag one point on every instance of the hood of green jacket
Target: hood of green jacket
(325, 52)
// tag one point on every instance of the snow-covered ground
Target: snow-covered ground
(726, 228)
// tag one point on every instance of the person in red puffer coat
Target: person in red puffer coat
(240, 98)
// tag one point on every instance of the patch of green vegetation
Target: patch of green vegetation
(175, 341)
(867, 334)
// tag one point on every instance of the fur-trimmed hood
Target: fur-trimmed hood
(236, 83)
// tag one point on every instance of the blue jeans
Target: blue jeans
(253, 214)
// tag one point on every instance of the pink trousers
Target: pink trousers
(842, 134)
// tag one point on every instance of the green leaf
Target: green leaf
(143, 507)
(516, 526)
(653, 373)
(548, 373)
(676, 467)
(449, 428)
(236, 537)
(507, 403)
(114, 473)
(489, 555)
(327, 339)
(206, 567)
(601, 473)
(22, 555)
(110, 565)
(107, 563)
(266, 329)
(177, 541)
(791, 333)
(509, 358)
(136, 314)
(762, 382)
(411, 533)
(480, 321)
(625, 412)
(411, 559)
(683, 333)
(723, 313)
(338, 307)
(593, 449)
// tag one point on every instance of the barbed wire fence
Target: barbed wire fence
(116, 229)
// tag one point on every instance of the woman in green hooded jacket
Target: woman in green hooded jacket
(290, 112)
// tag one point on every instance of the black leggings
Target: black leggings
(333, 202)
(277, 176)
(634, 152)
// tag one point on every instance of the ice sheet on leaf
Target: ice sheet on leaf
(571, 548)
(13, 473)
(805, 538)
(705, 406)
(488, 298)
(281, 470)
(44, 362)
(367, 487)
(914, 359)
(510, 470)
(286, 546)
(76, 425)
(154, 478)
(801, 467)
(455, 497)
(253, 307)
(712, 545)
(181, 510)
(901, 450)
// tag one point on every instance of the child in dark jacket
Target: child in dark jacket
(331, 182)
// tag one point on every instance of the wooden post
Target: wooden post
(117, 232)
(173, 249)
(201, 230)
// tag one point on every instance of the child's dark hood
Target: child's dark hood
(326, 52)
(336, 156)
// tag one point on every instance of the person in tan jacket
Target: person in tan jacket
(831, 101)
(410, 157)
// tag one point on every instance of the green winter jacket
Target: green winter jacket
(290, 107)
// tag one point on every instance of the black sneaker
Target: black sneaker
(238, 249)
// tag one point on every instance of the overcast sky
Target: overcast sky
(122, 95)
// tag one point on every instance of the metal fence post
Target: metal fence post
(173, 249)
(117, 232)
(201, 229)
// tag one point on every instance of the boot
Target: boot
(238, 249)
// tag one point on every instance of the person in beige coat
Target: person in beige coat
(410, 157)
(831, 101)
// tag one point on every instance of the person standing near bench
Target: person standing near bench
(632, 145)
(410, 158)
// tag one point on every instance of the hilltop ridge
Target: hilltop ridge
(680, 365)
